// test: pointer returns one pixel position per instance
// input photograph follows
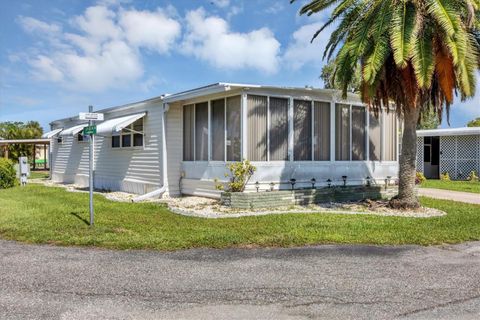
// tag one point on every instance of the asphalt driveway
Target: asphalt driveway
(346, 282)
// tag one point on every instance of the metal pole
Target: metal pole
(90, 174)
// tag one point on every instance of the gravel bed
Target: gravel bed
(211, 208)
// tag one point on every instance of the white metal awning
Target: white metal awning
(52, 133)
(73, 130)
(112, 126)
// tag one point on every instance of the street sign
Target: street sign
(90, 116)
(90, 130)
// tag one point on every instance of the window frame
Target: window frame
(131, 132)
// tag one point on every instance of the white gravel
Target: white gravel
(211, 208)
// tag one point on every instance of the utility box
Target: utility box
(23, 170)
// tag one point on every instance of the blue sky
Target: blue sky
(59, 56)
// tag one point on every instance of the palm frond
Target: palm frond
(422, 57)
(403, 23)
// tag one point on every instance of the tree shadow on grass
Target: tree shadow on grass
(76, 215)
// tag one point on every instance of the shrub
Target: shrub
(445, 176)
(420, 178)
(473, 176)
(240, 173)
(8, 175)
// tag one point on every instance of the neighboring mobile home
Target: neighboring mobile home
(181, 143)
(454, 151)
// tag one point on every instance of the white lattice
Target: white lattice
(448, 146)
(420, 154)
(467, 147)
(448, 166)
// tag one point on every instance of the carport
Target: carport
(4, 144)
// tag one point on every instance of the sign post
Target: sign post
(91, 130)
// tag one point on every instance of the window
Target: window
(217, 118)
(257, 127)
(234, 129)
(390, 139)
(342, 132)
(278, 131)
(201, 131)
(358, 133)
(374, 136)
(321, 128)
(82, 138)
(130, 136)
(188, 132)
(302, 130)
(115, 141)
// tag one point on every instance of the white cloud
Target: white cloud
(104, 49)
(33, 25)
(153, 30)
(221, 3)
(301, 51)
(209, 38)
(275, 8)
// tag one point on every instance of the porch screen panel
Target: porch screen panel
(321, 132)
(234, 129)
(278, 132)
(257, 127)
(217, 119)
(358, 133)
(201, 131)
(188, 133)
(390, 136)
(302, 130)
(342, 132)
(374, 137)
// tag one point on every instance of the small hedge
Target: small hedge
(8, 175)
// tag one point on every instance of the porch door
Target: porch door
(431, 157)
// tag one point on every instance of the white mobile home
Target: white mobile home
(454, 151)
(180, 143)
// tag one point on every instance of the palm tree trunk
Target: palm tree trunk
(407, 197)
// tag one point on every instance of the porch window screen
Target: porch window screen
(390, 136)
(321, 131)
(188, 132)
(234, 137)
(201, 131)
(342, 132)
(375, 140)
(278, 131)
(257, 127)
(302, 130)
(218, 129)
(358, 133)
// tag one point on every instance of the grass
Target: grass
(465, 186)
(39, 214)
(39, 174)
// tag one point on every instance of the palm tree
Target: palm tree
(413, 54)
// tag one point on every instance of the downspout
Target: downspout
(164, 187)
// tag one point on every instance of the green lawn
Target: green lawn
(465, 186)
(40, 214)
(39, 174)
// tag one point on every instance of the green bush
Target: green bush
(240, 173)
(8, 176)
(445, 176)
(420, 178)
(473, 177)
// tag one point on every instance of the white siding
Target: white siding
(135, 170)
(174, 137)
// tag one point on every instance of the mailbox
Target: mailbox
(24, 170)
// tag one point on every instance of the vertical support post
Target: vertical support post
(34, 155)
(332, 131)
(244, 123)
(291, 134)
(45, 156)
(90, 170)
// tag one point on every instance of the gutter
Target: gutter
(164, 188)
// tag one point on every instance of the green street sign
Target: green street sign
(90, 130)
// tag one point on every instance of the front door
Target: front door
(431, 157)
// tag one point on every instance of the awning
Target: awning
(52, 133)
(73, 130)
(118, 124)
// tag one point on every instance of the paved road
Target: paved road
(467, 197)
(330, 282)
